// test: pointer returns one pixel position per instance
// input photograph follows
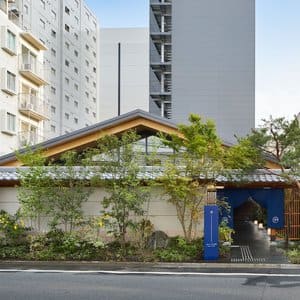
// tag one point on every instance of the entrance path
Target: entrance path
(252, 245)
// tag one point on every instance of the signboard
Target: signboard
(211, 232)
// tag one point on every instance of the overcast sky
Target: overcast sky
(277, 48)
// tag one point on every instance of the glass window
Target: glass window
(11, 122)
(11, 81)
(11, 41)
(42, 23)
(52, 128)
(53, 14)
(67, 10)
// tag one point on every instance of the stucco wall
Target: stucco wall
(161, 213)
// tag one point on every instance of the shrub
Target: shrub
(180, 250)
(294, 255)
(13, 231)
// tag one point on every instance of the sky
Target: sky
(277, 48)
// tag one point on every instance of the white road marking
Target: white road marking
(145, 273)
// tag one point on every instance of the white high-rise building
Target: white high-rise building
(69, 29)
(23, 110)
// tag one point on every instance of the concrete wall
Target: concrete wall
(161, 213)
(134, 70)
(213, 63)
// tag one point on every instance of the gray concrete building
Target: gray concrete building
(124, 71)
(69, 29)
(202, 60)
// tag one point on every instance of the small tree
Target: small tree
(118, 171)
(56, 191)
(198, 158)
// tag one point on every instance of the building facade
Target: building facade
(70, 31)
(202, 60)
(124, 71)
(23, 110)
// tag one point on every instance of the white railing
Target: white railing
(33, 103)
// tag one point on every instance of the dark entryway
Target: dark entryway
(251, 244)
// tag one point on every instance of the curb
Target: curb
(96, 265)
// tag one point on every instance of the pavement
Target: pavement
(252, 245)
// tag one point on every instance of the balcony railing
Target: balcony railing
(32, 69)
(32, 106)
(26, 138)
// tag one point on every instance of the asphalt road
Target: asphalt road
(44, 286)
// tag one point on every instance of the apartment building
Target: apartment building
(202, 60)
(23, 110)
(70, 31)
(124, 71)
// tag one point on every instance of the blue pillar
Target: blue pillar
(211, 232)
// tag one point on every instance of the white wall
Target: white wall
(161, 213)
(134, 70)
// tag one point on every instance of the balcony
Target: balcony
(29, 138)
(33, 107)
(32, 39)
(32, 69)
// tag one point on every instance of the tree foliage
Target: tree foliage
(118, 171)
(52, 190)
(198, 158)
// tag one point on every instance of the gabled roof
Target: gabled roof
(144, 123)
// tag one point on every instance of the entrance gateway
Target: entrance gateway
(271, 199)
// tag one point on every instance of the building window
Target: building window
(95, 24)
(76, 120)
(11, 41)
(53, 13)
(53, 90)
(42, 23)
(87, 62)
(67, 116)
(43, 4)
(53, 109)
(87, 31)
(67, 63)
(94, 54)
(67, 98)
(26, 9)
(87, 94)
(53, 33)
(77, 20)
(87, 110)
(76, 86)
(67, 10)
(94, 39)
(77, 3)
(10, 122)
(67, 80)
(94, 99)
(94, 84)
(76, 36)
(94, 114)
(53, 52)
(87, 15)
(67, 45)
(87, 47)
(53, 128)
(76, 53)
(76, 70)
(76, 103)
(67, 28)
(11, 81)
(94, 69)
(87, 78)
(53, 71)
